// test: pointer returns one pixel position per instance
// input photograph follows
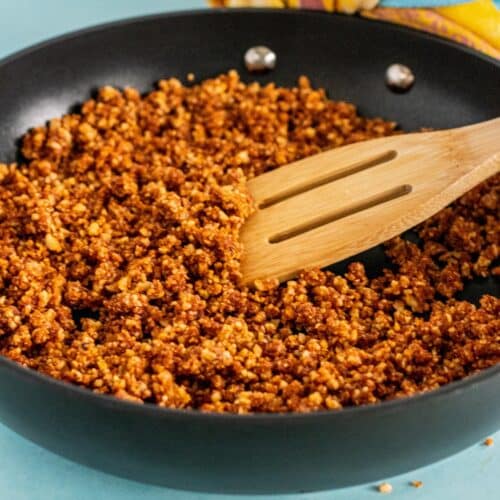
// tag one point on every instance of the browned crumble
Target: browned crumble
(385, 488)
(417, 484)
(120, 261)
(489, 441)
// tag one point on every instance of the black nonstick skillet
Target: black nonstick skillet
(252, 453)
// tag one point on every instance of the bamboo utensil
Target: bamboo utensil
(333, 205)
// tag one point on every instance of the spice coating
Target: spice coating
(120, 261)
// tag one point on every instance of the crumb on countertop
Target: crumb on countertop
(385, 488)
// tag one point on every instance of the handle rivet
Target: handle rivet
(259, 59)
(399, 77)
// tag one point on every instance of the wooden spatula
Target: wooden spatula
(333, 205)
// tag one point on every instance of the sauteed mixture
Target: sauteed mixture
(119, 261)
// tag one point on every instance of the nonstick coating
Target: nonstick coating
(253, 453)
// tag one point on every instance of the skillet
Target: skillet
(252, 453)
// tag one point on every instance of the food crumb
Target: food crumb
(93, 229)
(52, 243)
(190, 77)
(489, 441)
(417, 484)
(385, 488)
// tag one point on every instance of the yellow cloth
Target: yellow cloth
(481, 17)
(475, 24)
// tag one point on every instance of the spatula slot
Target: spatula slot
(320, 181)
(370, 202)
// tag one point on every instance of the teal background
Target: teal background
(28, 472)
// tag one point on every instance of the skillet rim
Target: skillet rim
(110, 401)
(245, 10)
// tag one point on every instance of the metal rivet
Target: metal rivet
(260, 58)
(399, 77)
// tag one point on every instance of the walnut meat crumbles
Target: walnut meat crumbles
(120, 261)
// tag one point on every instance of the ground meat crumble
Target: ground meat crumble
(119, 261)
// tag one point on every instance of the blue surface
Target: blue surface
(28, 472)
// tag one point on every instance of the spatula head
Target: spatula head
(336, 204)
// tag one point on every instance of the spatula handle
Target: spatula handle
(477, 143)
